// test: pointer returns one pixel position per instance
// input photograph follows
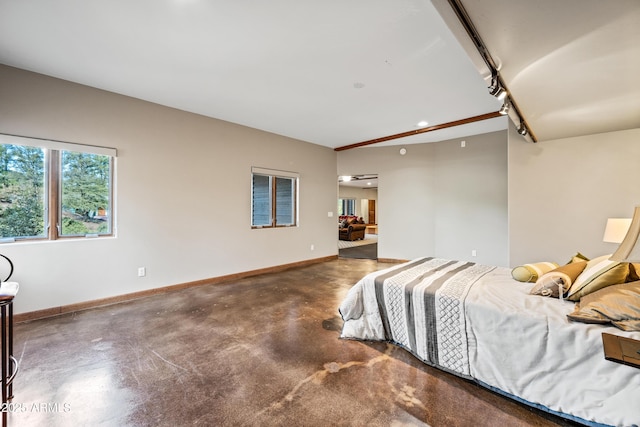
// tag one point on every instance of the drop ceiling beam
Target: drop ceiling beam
(422, 130)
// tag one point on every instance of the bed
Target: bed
(477, 322)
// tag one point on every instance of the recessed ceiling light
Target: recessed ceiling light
(368, 183)
(422, 123)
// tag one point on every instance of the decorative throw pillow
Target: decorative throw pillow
(578, 257)
(599, 273)
(531, 272)
(618, 304)
(634, 272)
(549, 284)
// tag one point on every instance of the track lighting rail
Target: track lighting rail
(497, 84)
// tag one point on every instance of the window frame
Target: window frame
(53, 186)
(273, 176)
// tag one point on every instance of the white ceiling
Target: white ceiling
(573, 66)
(341, 72)
(360, 181)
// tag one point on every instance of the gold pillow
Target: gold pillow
(577, 258)
(531, 272)
(599, 273)
(549, 284)
(634, 272)
(618, 304)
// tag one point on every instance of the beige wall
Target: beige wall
(439, 199)
(183, 197)
(183, 194)
(561, 193)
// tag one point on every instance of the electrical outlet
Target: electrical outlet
(313, 247)
(142, 271)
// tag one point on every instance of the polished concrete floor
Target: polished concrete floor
(261, 351)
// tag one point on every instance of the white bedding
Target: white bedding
(525, 346)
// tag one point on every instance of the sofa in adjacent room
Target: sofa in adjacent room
(351, 227)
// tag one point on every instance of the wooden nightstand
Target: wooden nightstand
(622, 350)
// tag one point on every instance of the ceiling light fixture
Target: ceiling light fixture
(497, 88)
(346, 178)
(403, 151)
(422, 123)
(504, 110)
(522, 129)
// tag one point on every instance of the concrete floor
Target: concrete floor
(261, 351)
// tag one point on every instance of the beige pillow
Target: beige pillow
(618, 304)
(599, 273)
(577, 258)
(549, 284)
(531, 272)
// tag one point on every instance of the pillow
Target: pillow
(577, 258)
(599, 273)
(564, 276)
(618, 304)
(634, 272)
(531, 272)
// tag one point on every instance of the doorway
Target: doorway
(357, 197)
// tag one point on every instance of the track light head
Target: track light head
(504, 110)
(522, 129)
(496, 88)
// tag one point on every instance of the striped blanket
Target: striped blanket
(418, 305)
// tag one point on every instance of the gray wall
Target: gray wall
(561, 193)
(439, 199)
(182, 192)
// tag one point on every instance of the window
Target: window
(52, 190)
(273, 198)
(346, 206)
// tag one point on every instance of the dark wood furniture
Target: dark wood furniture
(9, 362)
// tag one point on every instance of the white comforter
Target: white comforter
(524, 345)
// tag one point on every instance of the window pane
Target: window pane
(85, 194)
(261, 200)
(351, 208)
(22, 191)
(346, 206)
(285, 191)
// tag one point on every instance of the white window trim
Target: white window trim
(56, 145)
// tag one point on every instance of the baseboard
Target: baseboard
(57, 311)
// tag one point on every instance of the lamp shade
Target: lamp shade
(629, 249)
(616, 229)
